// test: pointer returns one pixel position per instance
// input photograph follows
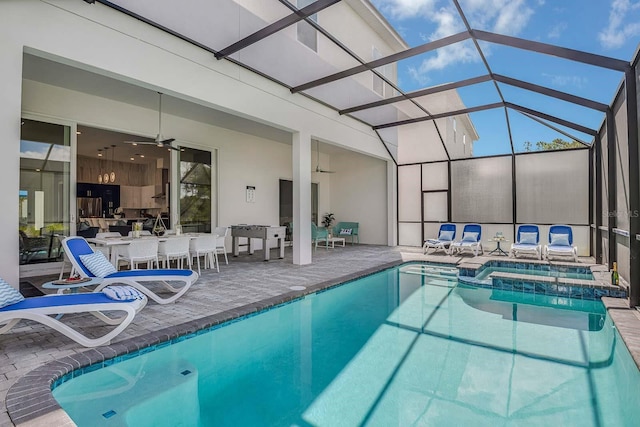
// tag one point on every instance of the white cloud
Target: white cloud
(557, 30)
(558, 80)
(618, 31)
(403, 9)
(501, 16)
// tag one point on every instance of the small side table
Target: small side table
(498, 250)
(73, 286)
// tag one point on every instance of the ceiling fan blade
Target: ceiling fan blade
(318, 170)
(140, 142)
(167, 141)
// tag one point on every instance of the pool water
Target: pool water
(391, 349)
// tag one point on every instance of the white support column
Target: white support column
(10, 112)
(301, 157)
(392, 203)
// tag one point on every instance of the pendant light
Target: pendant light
(99, 166)
(112, 175)
(105, 176)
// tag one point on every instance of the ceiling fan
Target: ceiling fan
(318, 168)
(160, 141)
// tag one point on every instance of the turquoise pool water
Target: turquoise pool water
(392, 349)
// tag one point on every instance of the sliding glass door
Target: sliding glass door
(44, 196)
(197, 189)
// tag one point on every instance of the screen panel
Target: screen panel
(481, 190)
(409, 234)
(622, 166)
(553, 187)
(417, 142)
(435, 176)
(435, 206)
(409, 193)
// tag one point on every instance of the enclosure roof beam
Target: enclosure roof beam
(549, 49)
(554, 119)
(440, 116)
(584, 102)
(280, 24)
(419, 93)
(446, 41)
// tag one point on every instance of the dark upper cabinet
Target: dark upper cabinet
(110, 195)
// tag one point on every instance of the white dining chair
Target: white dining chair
(142, 233)
(108, 234)
(104, 249)
(174, 248)
(205, 246)
(139, 251)
(221, 233)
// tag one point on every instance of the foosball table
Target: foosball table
(263, 232)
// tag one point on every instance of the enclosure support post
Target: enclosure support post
(611, 186)
(634, 190)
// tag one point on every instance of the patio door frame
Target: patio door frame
(174, 196)
(40, 269)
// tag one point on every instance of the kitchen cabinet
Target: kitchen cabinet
(110, 194)
(138, 197)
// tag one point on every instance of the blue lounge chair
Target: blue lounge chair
(470, 241)
(527, 241)
(446, 234)
(75, 247)
(44, 310)
(561, 242)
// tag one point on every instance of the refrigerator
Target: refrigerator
(89, 207)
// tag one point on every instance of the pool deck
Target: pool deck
(32, 354)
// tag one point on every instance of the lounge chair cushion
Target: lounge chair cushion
(346, 231)
(98, 264)
(8, 294)
(559, 240)
(446, 235)
(528, 238)
(123, 293)
(470, 237)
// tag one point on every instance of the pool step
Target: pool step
(446, 273)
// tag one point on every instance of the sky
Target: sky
(605, 27)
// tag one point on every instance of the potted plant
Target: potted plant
(327, 220)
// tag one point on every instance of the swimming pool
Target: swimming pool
(389, 349)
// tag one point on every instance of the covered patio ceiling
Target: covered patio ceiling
(517, 91)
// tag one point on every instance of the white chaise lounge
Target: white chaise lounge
(471, 240)
(46, 310)
(81, 256)
(561, 242)
(446, 234)
(527, 241)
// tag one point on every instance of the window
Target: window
(307, 35)
(378, 83)
(454, 130)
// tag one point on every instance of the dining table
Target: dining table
(113, 243)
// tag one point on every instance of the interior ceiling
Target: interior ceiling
(91, 139)
(57, 74)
